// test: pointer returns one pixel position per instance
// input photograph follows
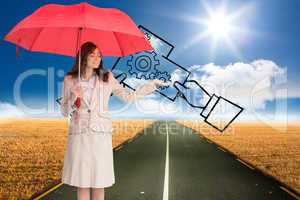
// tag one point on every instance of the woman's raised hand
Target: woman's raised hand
(158, 82)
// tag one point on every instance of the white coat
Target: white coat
(96, 117)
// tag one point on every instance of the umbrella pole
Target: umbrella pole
(79, 59)
(79, 63)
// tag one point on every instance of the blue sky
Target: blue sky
(270, 34)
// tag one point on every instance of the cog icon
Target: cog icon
(143, 65)
(164, 76)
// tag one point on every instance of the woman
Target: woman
(88, 161)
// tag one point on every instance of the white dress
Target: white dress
(88, 160)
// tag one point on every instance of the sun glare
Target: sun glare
(219, 25)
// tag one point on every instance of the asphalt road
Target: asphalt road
(174, 163)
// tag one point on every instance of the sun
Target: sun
(218, 25)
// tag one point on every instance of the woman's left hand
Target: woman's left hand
(158, 82)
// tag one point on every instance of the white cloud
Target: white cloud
(178, 75)
(8, 110)
(249, 84)
(156, 43)
(157, 107)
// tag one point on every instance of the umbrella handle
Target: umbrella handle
(77, 102)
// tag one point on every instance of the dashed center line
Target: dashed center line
(166, 180)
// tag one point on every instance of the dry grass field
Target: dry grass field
(32, 152)
(273, 149)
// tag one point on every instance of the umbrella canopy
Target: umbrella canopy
(61, 29)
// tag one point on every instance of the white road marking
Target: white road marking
(166, 180)
(221, 149)
(245, 163)
(291, 193)
(119, 147)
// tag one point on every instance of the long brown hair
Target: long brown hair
(86, 49)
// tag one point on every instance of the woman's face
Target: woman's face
(93, 59)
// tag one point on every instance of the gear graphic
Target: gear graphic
(164, 76)
(143, 65)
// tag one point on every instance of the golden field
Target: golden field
(272, 148)
(32, 152)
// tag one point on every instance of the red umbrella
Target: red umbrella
(61, 29)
